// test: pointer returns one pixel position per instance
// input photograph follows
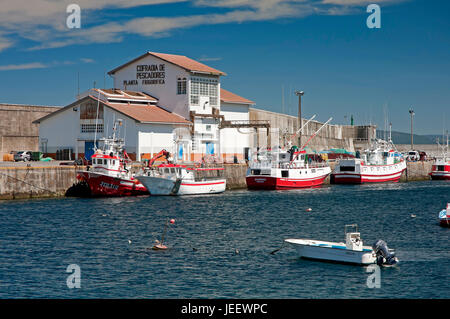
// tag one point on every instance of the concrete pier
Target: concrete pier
(35, 181)
(53, 181)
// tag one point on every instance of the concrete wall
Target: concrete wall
(17, 131)
(51, 181)
(430, 149)
(348, 137)
(30, 182)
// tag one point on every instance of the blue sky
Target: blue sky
(266, 47)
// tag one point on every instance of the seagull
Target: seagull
(129, 242)
(413, 216)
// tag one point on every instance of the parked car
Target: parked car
(22, 156)
(413, 156)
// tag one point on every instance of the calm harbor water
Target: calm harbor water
(233, 234)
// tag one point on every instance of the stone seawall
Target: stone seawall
(53, 181)
(31, 182)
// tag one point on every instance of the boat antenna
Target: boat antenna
(96, 120)
(301, 129)
(312, 136)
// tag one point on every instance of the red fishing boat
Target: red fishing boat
(280, 169)
(110, 174)
(441, 166)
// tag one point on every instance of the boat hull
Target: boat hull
(160, 185)
(202, 187)
(354, 178)
(332, 252)
(439, 176)
(104, 185)
(444, 222)
(444, 219)
(272, 183)
(170, 186)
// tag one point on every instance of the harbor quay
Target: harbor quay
(37, 180)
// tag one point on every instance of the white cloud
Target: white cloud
(44, 21)
(25, 66)
(40, 65)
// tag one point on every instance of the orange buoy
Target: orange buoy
(159, 247)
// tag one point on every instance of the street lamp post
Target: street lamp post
(299, 94)
(412, 115)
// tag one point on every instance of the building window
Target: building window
(90, 128)
(181, 86)
(208, 127)
(204, 87)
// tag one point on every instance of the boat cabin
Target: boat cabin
(353, 239)
(107, 164)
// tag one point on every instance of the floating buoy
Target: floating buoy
(309, 209)
(159, 247)
(172, 221)
(413, 216)
(129, 242)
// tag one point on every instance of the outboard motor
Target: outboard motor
(383, 254)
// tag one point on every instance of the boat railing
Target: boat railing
(287, 165)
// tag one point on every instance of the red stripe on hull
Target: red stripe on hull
(271, 183)
(359, 179)
(102, 185)
(440, 177)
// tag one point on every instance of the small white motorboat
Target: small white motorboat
(352, 251)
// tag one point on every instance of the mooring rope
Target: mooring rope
(20, 180)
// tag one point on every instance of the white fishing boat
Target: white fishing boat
(352, 251)
(380, 163)
(177, 179)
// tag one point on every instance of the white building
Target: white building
(166, 101)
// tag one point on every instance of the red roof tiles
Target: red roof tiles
(228, 97)
(180, 60)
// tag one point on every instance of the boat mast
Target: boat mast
(301, 129)
(312, 136)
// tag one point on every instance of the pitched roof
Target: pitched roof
(140, 112)
(146, 113)
(229, 97)
(116, 94)
(179, 60)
